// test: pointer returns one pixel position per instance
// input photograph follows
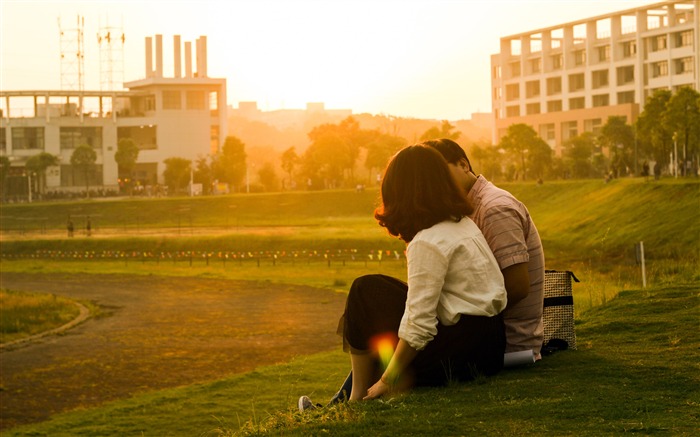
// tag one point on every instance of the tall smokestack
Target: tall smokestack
(188, 59)
(149, 57)
(178, 65)
(159, 56)
(202, 56)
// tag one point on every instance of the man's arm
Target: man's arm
(517, 281)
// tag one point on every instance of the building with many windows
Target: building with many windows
(180, 116)
(568, 79)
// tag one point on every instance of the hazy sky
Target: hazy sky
(409, 58)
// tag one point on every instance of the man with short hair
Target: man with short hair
(514, 241)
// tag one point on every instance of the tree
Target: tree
(334, 151)
(4, 172)
(126, 156)
(38, 164)
(652, 130)
(618, 137)
(230, 164)
(444, 131)
(203, 174)
(268, 177)
(539, 158)
(682, 116)
(83, 159)
(290, 160)
(176, 173)
(486, 159)
(519, 141)
(383, 147)
(578, 155)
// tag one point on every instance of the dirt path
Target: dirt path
(156, 333)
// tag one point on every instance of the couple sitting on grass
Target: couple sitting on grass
(475, 280)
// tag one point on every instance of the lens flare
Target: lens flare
(383, 345)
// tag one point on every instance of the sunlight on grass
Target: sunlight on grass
(24, 314)
(633, 372)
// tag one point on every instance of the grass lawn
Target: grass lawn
(636, 371)
(25, 314)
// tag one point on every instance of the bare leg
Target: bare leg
(363, 369)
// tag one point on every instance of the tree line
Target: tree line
(666, 133)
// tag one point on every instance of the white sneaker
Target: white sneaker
(306, 404)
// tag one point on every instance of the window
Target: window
(579, 57)
(74, 177)
(592, 125)
(569, 129)
(629, 49)
(659, 43)
(554, 106)
(601, 100)
(659, 69)
(513, 91)
(684, 39)
(625, 74)
(684, 65)
(73, 137)
(532, 108)
(497, 93)
(149, 103)
(513, 111)
(625, 97)
(535, 65)
(143, 136)
(213, 103)
(214, 138)
(604, 53)
(557, 62)
(577, 103)
(532, 88)
(600, 78)
(195, 100)
(547, 132)
(171, 100)
(26, 138)
(497, 72)
(576, 82)
(553, 86)
(515, 69)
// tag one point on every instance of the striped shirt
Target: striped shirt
(513, 238)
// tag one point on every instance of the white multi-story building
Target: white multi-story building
(180, 116)
(568, 79)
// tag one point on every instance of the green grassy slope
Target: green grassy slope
(575, 218)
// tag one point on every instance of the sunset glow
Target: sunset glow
(423, 59)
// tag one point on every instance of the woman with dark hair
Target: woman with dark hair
(444, 324)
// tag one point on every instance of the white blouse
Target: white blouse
(451, 271)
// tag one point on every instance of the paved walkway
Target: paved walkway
(154, 333)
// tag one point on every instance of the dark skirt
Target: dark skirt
(473, 346)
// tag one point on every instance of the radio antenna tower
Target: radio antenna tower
(111, 40)
(73, 56)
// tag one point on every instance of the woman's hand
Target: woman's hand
(378, 389)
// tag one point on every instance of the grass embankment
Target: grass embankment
(588, 227)
(26, 314)
(636, 371)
